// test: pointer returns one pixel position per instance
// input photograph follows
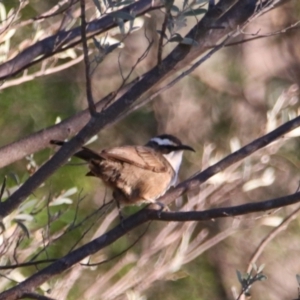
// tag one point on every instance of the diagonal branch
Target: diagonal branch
(234, 17)
(67, 39)
(132, 222)
(234, 157)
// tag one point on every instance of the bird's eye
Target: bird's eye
(167, 149)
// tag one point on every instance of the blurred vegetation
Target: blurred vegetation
(239, 94)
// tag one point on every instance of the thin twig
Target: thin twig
(122, 252)
(35, 296)
(266, 35)
(89, 94)
(168, 6)
(177, 79)
(260, 248)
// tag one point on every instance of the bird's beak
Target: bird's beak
(186, 147)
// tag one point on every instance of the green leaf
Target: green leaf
(239, 276)
(176, 38)
(98, 5)
(112, 47)
(122, 15)
(15, 177)
(28, 204)
(261, 267)
(69, 192)
(122, 3)
(23, 227)
(188, 41)
(175, 8)
(97, 44)
(185, 3)
(200, 1)
(60, 201)
(261, 277)
(23, 217)
(254, 267)
(195, 12)
(121, 26)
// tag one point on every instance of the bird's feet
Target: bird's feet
(162, 207)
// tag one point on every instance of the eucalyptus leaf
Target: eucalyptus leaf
(28, 204)
(201, 1)
(23, 227)
(69, 192)
(98, 5)
(175, 8)
(111, 48)
(176, 38)
(262, 277)
(254, 267)
(261, 267)
(24, 217)
(121, 26)
(122, 3)
(97, 44)
(195, 12)
(188, 41)
(60, 201)
(122, 15)
(185, 3)
(239, 276)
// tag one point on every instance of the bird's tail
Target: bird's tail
(85, 153)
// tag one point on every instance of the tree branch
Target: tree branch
(235, 16)
(89, 94)
(67, 39)
(129, 224)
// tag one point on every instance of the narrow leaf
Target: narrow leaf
(23, 227)
(239, 276)
(175, 8)
(98, 5)
(60, 201)
(195, 12)
(261, 267)
(122, 15)
(176, 38)
(188, 41)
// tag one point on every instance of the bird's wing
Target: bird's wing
(85, 153)
(139, 156)
(88, 154)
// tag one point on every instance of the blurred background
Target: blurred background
(242, 92)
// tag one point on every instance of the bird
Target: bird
(136, 174)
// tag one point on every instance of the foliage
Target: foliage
(247, 88)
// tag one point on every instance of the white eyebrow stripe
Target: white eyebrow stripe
(160, 141)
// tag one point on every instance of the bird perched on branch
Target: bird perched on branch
(136, 174)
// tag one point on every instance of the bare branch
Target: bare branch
(283, 226)
(236, 156)
(70, 126)
(35, 296)
(67, 39)
(132, 222)
(89, 94)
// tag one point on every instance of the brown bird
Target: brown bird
(137, 174)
